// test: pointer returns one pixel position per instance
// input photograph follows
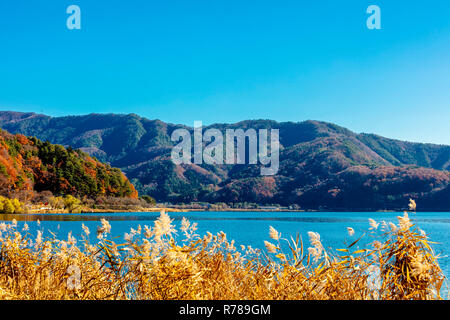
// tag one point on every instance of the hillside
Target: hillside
(322, 165)
(28, 165)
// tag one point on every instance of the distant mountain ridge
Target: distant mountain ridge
(322, 165)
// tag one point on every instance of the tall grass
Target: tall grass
(399, 263)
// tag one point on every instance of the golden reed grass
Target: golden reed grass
(398, 264)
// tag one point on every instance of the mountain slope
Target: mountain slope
(28, 165)
(321, 164)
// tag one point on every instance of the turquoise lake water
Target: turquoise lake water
(251, 228)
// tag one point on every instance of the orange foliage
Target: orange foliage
(22, 139)
(22, 169)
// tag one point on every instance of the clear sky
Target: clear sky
(231, 60)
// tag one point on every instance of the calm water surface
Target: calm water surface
(251, 228)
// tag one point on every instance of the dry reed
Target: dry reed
(151, 264)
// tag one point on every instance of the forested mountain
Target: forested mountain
(29, 166)
(322, 165)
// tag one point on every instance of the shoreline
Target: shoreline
(187, 210)
(62, 211)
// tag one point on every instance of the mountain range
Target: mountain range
(322, 165)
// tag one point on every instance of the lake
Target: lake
(251, 228)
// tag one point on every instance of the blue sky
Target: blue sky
(226, 61)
